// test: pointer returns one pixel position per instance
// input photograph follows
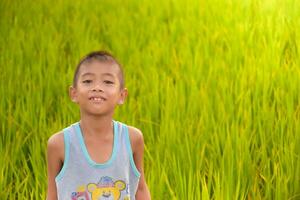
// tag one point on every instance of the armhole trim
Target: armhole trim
(67, 155)
(129, 150)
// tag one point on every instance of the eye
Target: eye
(87, 81)
(108, 82)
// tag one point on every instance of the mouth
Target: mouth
(97, 99)
(106, 195)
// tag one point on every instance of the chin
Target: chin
(99, 114)
(96, 112)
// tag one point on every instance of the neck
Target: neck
(96, 125)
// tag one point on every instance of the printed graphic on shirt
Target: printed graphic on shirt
(105, 189)
(81, 194)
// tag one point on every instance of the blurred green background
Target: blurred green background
(213, 85)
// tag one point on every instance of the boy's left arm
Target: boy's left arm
(143, 192)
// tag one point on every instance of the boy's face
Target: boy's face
(98, 88)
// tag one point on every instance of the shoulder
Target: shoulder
(56, 140)
(55, 144)
(136, 138)
(55, 161)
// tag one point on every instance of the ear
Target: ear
(120, 185)
(73, 94)
(91, 187)
(123, 96)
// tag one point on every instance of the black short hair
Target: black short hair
(102, 56)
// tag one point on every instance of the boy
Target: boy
(97, 157)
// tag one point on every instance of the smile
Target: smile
(97, 99)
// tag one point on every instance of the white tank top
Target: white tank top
(83, 179)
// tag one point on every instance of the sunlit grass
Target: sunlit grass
(213, 85)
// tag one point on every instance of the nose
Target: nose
(97, 87)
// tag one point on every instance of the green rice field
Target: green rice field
(213, 85)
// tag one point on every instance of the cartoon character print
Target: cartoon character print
(81, 194)
(106, 189)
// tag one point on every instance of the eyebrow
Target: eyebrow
(88, 73)
(108, 74)
(104, 74)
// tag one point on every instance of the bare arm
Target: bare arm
(55, 158)
(137, 145)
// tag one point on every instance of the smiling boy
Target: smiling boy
(97, 157)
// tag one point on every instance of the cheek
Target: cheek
(82, 91)
(113, 91)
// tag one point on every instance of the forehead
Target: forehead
(99, 68)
